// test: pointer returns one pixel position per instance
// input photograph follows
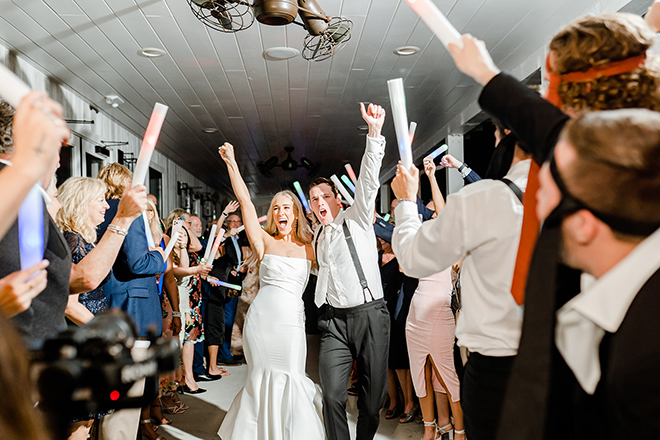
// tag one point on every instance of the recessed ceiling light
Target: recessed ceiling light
(151, 52)
(195, 105)
(281, 53)
(363, 127)
(210, 130)
(406, 50)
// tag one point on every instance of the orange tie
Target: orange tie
(528, 235)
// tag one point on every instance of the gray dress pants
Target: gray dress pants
(359, 333)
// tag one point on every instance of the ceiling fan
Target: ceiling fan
(288, 164)
(326, 35)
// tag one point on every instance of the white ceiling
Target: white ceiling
(259, 105)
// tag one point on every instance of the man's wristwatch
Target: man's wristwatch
(462, 167)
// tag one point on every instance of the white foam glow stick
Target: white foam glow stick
(147, 230)
(411, 130)
(260, 219)
(342, 190)
(207, 253)
(216, 282)
(170, 245)
(439, 151)
(149, 143)
(398, 103)
(12, 88)
(351, 173)
(216, 244)
(436, 21)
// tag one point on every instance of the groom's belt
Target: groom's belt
(330, 311)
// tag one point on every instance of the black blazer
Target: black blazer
(223, 266)
(45, 317)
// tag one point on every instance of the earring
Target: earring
(296, 226)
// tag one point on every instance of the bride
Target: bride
(278, 402)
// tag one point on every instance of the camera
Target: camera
(89, 369)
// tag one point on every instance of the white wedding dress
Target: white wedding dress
(278, 402)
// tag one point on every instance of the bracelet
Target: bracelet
(176, 314)
(224, 213)
(408, 200)
(117, 230)
(462, 167)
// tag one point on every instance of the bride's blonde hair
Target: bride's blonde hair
(300, 230)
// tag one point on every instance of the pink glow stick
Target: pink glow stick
(351, 173)
(149, 143)
(260, 219)
(216, 245)
(436, 21)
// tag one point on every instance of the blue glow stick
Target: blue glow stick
(347, 181)
(31, 229)
(217, 282)
(443, 148)
(301, 194)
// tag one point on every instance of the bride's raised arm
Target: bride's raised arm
(255, 233)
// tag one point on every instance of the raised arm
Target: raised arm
(429, 169)
(255, 234)
(92, 270)
(368, 183)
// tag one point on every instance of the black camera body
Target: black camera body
(89, 369)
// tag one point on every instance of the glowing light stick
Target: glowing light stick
(31, 229)
(149, 143)
(216, 243)
(31, 213)
(170, 245)
(216, 282)
(411, 130)
(207, 253)
(341, 189)
(347, 181)
(146, 151)
(301, 194)
(12, 88)
(443, 148)
(260, 220)
(351, 173)
(387, 217)
(398, 102)
(436, 21)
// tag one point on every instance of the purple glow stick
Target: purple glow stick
(31, 229)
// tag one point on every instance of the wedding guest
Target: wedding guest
(481, 222)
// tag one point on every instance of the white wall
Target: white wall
(105, 129)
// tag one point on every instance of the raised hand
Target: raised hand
(231, 207)
(17, 293)
(449, 161)
(653, 16)
(406, 182)
(474, 60)
(226, 151)
(38, 131)
(133, 202)
(429, 167)
(374, 116)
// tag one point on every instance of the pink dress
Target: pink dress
(430, 331)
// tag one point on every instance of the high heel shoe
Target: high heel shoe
(430, 424)
(444, 431)
(459, 433)
(187, 389)
(392, 413)
(410, 415)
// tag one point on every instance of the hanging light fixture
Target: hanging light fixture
(224, 15)
(288, 164)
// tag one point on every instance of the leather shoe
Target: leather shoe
(229, 362)
(187, 390)
(206, 377)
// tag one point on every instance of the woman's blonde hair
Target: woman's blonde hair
(75, 195)
(301, 229)
(173, 215)
(117, 177)
(598, 40)
(154, 223)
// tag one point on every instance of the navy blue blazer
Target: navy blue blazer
(132, 286)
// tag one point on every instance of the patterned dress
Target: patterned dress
(194, 328)
(94, 300)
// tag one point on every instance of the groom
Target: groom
(354, 321)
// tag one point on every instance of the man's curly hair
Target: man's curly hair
(593, 41)
(6, 120)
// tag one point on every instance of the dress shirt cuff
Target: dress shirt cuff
(375, 145)
(405, 211)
